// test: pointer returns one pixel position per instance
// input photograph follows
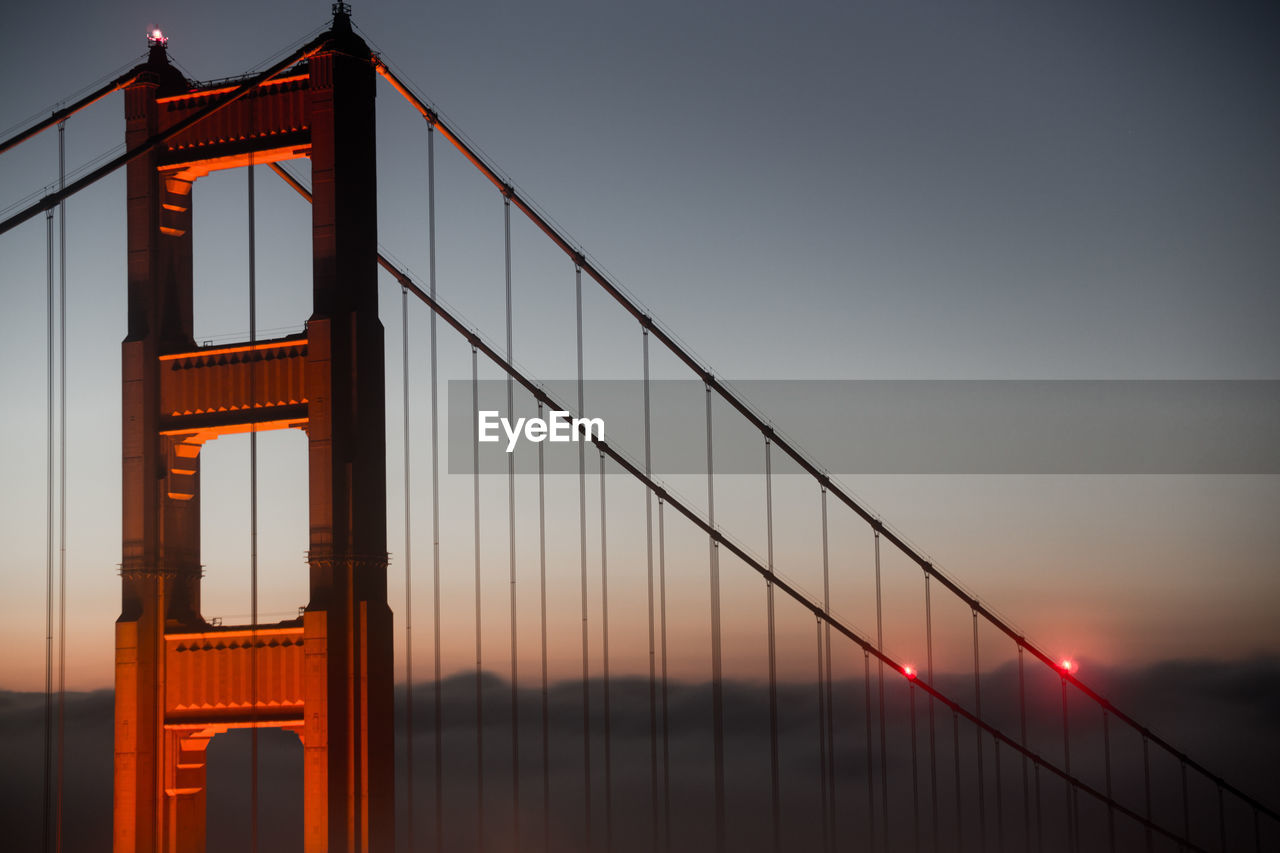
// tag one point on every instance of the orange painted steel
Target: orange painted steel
(326, 676)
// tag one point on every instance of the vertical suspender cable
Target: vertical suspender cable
(955, 740)
(435, 491)
(475, 475)
(62, 486)
(1039, 811)
(1186, 804)
(1222, 819)
(775, 788)
(884, 758)
(915, 765)
(822, 738)
(823, 752)
(546, 703)
(977, 732)
(511, 535)
(408, 574)
(46, 813)
(830, 808)
(995, 743)
(1022, 718)
(1146, 785)
(653, 662)
(933, 734)
(871, 791)
(582, 553)
(1111, 811)
(604, 671)
(1066, 755)
(253, 521)
(666, 718)
(717, 684)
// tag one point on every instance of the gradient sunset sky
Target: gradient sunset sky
(864, 190)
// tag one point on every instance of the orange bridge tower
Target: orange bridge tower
(327, 676)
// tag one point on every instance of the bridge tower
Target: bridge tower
(327, 676)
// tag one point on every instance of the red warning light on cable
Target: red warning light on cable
(1069, 666)
(909, 671)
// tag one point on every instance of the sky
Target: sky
(814, 191)
(798, 191)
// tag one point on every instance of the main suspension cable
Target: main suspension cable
(630, 305)
(51, 200)
(635, 471)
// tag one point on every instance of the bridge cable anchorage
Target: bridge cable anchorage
(677, 349)
(604, 658)
(511, 541)
(666, 719)
(582, 554)
(753, 563)
(62, 488)
(829, 807)
(648, 528)
(47, 779)
(408, 563)
(775, 788)
(717, 675)
(933, 734)
(435, 494)
(475, 485)
(51, 200)
(546, 702)
(253, 522)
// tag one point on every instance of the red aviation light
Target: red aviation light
(1069, 666)
(909, 671)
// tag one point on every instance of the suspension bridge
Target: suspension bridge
(857, 743)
